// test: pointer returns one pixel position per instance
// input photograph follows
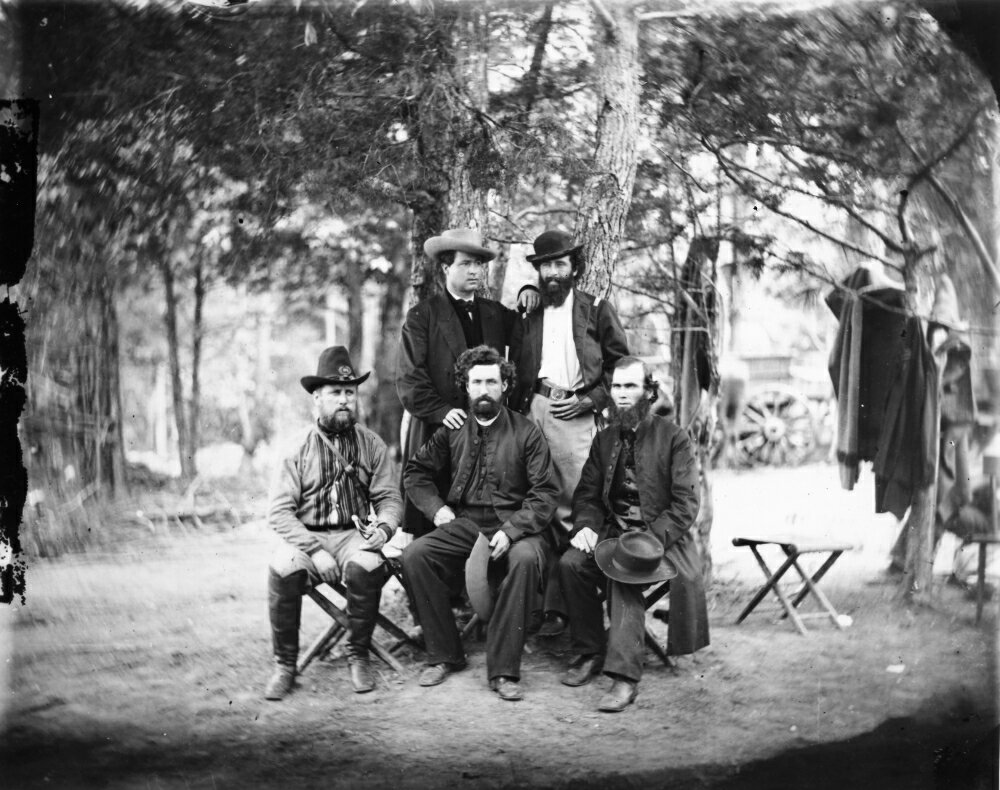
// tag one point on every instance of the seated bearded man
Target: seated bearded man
(640, 477)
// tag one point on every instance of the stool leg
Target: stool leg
(772, 580)
(824, 602)
(324, 642)
(980, 582)
(802, 593)
(337, 614)
(657, 648)
(789, 609)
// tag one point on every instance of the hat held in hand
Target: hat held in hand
(334, 367)
(477, 583)
(634, 558)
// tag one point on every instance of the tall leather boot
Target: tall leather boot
(284, 601)
(364, 590)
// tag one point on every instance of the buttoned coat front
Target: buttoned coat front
(431, 343)
(668, 483)
(516, 461)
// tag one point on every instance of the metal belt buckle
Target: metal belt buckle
(558, 393)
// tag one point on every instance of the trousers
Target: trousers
(624, 645)
(431, 565)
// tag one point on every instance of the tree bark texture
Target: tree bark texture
(918, 570)
(184, 448)
(388, 411)
(197, 333)
(607, 193)
(455, 148)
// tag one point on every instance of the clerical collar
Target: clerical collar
(487, 423)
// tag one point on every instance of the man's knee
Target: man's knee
(526, 554)
(287, 560)
(573, 562)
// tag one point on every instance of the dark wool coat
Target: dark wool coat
(667, 478)
(600, 343)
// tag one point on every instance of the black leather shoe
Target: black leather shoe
(434, 674)
(507, 688)
(281, 683)
(554, 625)
(582, 670)
(361, 675)
(621, 694)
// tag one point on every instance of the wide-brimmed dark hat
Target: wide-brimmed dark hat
(477, 583)
(634, 558)
(334, 368)
(458, 240)
(551, 245)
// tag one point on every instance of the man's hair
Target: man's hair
(447, 257)
(482, 355)
(648, 382)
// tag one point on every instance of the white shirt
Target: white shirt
(560, 364)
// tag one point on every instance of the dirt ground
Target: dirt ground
(144, 669)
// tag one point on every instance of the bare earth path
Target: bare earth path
(144, 669)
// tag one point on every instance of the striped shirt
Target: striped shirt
(312, 492)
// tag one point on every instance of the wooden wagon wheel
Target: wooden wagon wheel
(776, 427)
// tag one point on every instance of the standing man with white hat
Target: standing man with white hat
(436, 332)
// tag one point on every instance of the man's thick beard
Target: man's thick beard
(554, 291)
(629, 417)
(485, 408)
(338, 422)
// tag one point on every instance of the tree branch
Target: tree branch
(787, 215)
(411, 198)
(605, 16)
(977, 242)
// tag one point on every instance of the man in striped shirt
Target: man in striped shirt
(339, 473)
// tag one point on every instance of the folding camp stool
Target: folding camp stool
(984, 541)
(793, 550)
(327, 640)
(650, 598)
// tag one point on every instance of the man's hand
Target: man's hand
(443, 516)
(528, 300)
(499, 544)
(374, 540)
(571, 407)
(584, 540)
(455, 419)
(326, 565)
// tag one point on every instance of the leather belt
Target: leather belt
(547, 389)
(330, 528)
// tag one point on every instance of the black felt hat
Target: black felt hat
(551, 245)
(334, 368)
(634, 558)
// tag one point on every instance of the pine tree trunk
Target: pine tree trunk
(607, 193)
(173, 353)
(197, 333)
(918, 572)
(454, 143)
(388, 410)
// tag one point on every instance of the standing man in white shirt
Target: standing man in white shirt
(565, 356)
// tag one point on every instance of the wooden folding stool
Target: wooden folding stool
(793, 550)
(337, 630)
